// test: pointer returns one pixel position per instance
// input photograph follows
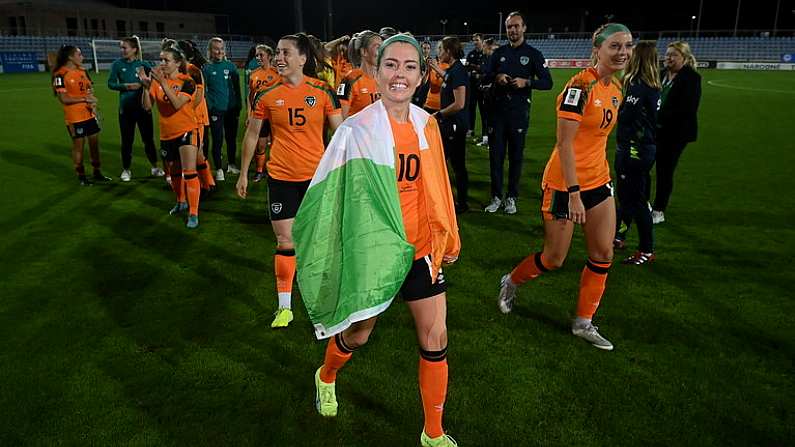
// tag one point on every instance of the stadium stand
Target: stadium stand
(741, 49)
(237, 50)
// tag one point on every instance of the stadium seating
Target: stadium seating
(41, 45)
(705, 48)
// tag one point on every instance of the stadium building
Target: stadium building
(96, 18)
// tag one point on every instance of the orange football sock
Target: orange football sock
(592, 287)
(177, 184)
(531, 267)
(433, 389)
(191, 179)
(284, 264)
(337, 354)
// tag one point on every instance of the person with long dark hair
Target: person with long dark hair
(124, 79)
(172, 90)
(576, 184)
(453, 116)
(74, 89)
(223, 101)
(635, 150)
(677, 124)
(297, 107)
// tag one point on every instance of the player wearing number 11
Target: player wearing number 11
(297, 107)
(576, 184)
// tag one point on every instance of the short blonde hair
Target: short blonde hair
(210, 46)
(684, 48)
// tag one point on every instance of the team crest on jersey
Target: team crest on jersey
(310, 101)
(279, 102)
(364, 91)
(524, 60)
(502, 59)
(597, 102)
(614, 100)
(226, 71)
(276, 207)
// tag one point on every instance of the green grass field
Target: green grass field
(120, 327)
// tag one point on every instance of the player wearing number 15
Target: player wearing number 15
(576, 184)
(297, 108)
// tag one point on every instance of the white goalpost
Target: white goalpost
(105, 51)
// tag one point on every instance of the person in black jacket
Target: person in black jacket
(476, 59)
(677, 122)
(516, 69)
(635, 149)
(453, 116)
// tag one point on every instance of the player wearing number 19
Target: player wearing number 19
(297, 107)
(576, 183)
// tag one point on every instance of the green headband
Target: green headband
(405, 38)
(609, 31)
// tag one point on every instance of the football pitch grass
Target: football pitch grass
(119, 326)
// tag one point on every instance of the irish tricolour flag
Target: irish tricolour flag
(350, 243)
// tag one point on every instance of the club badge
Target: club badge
(310, 101)
(524, 60)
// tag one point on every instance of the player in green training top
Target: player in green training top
(124, 78)
(222, 92)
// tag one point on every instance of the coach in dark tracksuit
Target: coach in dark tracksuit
(516, 69)
(476, 59)
(677, 123)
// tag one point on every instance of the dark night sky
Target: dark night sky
(276, 17)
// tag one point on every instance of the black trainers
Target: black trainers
(100, 177)
(258, 177)
(84, 180)
(640, 258)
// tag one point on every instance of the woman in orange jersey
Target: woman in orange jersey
(173, 91)
(435, 80)
(73, 87)
(576, 183)
(297, 108)
(195, 62)
(339, 58)
(358, 89)
(422, 193)
(263, 77)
